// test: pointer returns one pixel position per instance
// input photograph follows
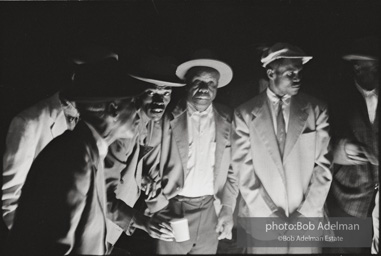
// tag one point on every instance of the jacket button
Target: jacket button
(121, 181)
(376, 186)
(178, 188)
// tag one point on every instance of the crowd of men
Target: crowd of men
(106, 156)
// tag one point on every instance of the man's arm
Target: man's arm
(321, 176)
(126, 219)
(21, 144)
(122, 217)
(242, 162)
(228, 200)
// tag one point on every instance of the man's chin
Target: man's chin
(294, 90)
(202, 100)
(155, 116)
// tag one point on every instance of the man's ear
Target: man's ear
(270, 74)
(113, 109)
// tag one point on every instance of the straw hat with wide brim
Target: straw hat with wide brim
(226, 73)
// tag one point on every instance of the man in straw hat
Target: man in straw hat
(280, 148)
(197, 172)
(355, 115)
(134, 165)
(32, 129)
(62, 208)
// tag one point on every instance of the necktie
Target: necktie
(281, 128)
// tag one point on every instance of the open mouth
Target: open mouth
(157, 110)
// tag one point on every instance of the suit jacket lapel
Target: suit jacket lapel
(180, 133)
(222, 136)
(262, 125)
(375, 123)
(297, 120)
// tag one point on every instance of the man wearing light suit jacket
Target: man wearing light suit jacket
(132, 166)
(197, 173)
(29, 132)
(33, 129)
(280, 147)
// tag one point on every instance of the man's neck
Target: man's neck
(272, 89)
(368, 88)
(199, 108)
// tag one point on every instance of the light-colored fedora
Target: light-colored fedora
(283, 51)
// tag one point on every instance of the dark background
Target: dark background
(36, 39)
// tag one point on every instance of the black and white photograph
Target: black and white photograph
(157, 127)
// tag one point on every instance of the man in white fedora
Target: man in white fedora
(355, 136)
(280, 147)
(197, 174)
(133, 175)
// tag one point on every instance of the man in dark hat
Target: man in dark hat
(355, 115)
(62, 207)
(197, 182)
(32, 129)
(133, 165)
(280, 148)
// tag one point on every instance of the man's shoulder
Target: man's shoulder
(41, 109)
(76, 141)
(250, 105)
(225, 111)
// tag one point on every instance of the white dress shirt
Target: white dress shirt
(273, 101)
(100, 180)
(371, 99)
(199, 180)
(102, 149)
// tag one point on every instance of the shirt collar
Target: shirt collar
(101, 143)
(275, 99)
(364, 92)
(193, 111)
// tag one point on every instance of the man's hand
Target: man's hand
(150, 187)
(349, 153)
(225, 223)
(155, 226)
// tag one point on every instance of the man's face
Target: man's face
(366, 73)
(155, 100)
(202, 86)
(71, 114)
(127, 121)
(286, 77)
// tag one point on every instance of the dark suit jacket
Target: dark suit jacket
(61, 208)
(353, 186)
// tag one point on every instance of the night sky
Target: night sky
(37, 37)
